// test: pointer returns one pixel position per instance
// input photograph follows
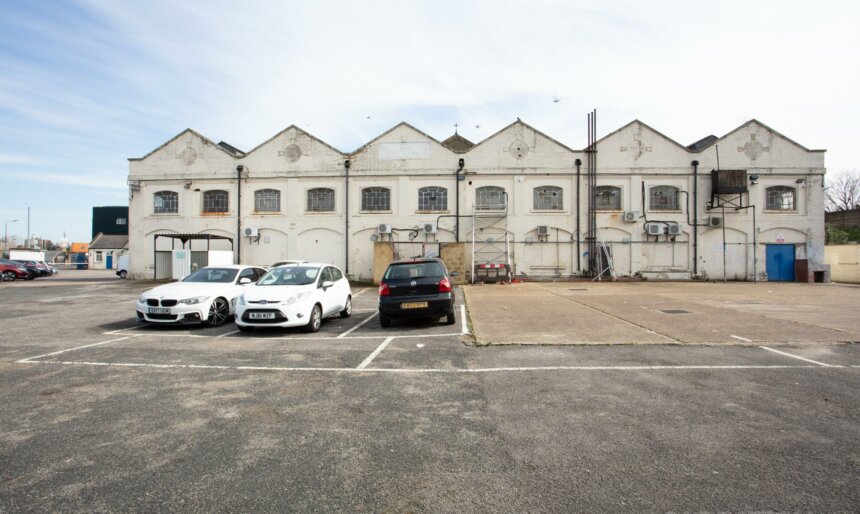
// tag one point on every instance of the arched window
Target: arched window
(548, 198)
(490, 198)
(267, 200)
(607, 198)
(375, 199)
(664, 198)
(320, 199)
(781, 198)
(432, 198)
(215, 201)
(165, 202)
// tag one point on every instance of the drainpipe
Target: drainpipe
(578, 163)
(460, 165)
(239, 170)
(346, 164)
(695, 218)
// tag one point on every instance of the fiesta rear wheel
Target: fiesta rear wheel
(347, 308)
(315, 321)
(384, 320)
(450, 318)
(219, 311)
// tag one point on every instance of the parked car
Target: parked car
(11, 270)
(206, 296)
(40, 269)
(287, 263)
(122, 267)
(416, 288)
(301, 295)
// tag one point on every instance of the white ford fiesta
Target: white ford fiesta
(206, 296)
(301, 295)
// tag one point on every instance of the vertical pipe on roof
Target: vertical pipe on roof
(695, 218)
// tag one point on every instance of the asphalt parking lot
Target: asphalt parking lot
(103, 414)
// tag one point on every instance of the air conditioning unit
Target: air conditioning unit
(543, 230)
(654, 229)
(674, 229)
(631, 216)
(251, 232)
(715, 221)
(384, 228)
(429, 228)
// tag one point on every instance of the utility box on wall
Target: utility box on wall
(727, 182)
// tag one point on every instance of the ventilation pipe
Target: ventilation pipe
(457, 174)
(239, 169)
(578, 164)
(695, 165)
(346, 165)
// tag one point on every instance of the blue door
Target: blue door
(109, 261)
(780, 263)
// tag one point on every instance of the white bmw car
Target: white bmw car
(206, 296)
(301, 295)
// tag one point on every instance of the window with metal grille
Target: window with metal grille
(780, 198)
(320, 199)
(490, 198)
(607, 198)
(375, 199)
(166, 202)
(664, 198)
(548, 198)
(267, 200)
(215, 201)
(432, 198)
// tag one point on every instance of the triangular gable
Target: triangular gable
(297, 129)
(392, 129)
(647, 127)
(525, 125)
(177, 136)
(772, 131)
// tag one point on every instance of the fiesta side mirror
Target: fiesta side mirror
(244, 280)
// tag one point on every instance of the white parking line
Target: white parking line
(373, 355)
(799, 357)
(435, 370)
(121, 330)
(30, 359)
(229, 333)
(739, 338)
(360, 291)
(350, 331)
(465, 330)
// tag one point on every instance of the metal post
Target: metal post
(578, 164)
(724, 243)
(239, 169)
(755, 249)
(346, 165)
(695, 218)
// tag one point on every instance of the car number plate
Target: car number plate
(413, 305)
(159, 310)
(261, 315)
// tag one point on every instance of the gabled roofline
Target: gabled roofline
(521, 122)
(177, 136)
(303, 131)
(750, 122)
(392, 129)
(649, 127)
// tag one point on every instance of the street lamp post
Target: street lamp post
(6, 235)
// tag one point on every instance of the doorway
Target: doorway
(780, 262)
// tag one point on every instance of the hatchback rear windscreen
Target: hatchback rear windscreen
(414, 270)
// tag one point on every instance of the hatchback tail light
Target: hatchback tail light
(383, 289)
(445, 285)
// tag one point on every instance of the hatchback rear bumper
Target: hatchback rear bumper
(437, 305)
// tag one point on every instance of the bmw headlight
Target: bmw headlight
(242, 300)
(194, 300)
(141, 299)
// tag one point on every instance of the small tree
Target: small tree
(842, 192)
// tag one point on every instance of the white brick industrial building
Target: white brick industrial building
(304, 199)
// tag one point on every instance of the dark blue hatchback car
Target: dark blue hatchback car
(416, 288)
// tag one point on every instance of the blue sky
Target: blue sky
(85, 85)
